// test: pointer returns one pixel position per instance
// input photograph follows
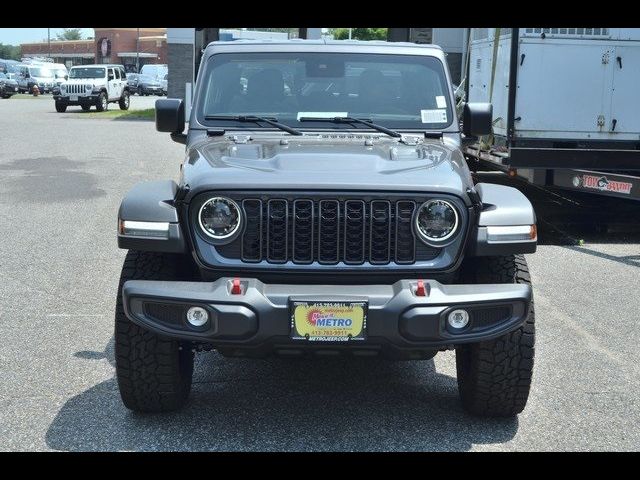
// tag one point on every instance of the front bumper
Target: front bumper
(9, 89)
(258, 321)
(82, 99)
(155, 90)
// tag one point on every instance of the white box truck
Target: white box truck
(573, 118)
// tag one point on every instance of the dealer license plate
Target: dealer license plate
(328, 321)
(73, 98)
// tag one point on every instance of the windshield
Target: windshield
(87, 72)
(146, 78)
(396, 91)
(40, 72)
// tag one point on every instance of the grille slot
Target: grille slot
(380, 232)
(329, 231)
(277, 230)
(405, 241)
(303, 221)
(252, 237)
(354, 231)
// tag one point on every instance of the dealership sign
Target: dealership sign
(104, 44)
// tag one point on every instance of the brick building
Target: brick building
(109, 45)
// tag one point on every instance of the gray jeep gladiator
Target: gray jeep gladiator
(324, 207)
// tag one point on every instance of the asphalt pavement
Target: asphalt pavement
(61, 180)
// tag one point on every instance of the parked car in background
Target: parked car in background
(155, 71)
(60, 72)
(132, 82)
(8, 86)
(7, 66)
(165, 83)
(96, 85)
(148, 85)
(30, 75)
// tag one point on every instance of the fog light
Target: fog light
(458, 319)
(197, 316)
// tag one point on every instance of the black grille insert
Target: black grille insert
(328, 230)
(165, 312)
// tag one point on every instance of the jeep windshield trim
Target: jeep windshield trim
(87, 72)
(395, 91)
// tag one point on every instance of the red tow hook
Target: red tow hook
(421, 290)
(236, 288)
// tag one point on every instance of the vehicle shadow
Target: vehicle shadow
(284, 404)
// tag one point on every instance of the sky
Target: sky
(16, 36)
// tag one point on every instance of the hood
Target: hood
(325, 162)
(8, 81)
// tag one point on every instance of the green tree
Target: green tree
(359, 33)
(70, 34)
(10, 52)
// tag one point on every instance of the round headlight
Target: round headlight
(63, 87)
(436, 221)
(88, 87)
(220, 218)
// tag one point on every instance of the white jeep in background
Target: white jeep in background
(96, 85)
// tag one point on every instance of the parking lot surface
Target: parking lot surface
(61, 180)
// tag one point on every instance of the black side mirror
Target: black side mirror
(170, 116)
(477, 119)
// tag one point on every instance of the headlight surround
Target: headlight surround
(220, 218)
(89, 87)
(437, 221)
(63, 87)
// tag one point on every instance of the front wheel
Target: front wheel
(85, 108)
(494, 377)
(154, 372)
(61, 107)
(124, 101)
(102, 104)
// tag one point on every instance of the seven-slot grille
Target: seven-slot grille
(75, 88)
(328, 231)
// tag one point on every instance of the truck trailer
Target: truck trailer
(572, 119)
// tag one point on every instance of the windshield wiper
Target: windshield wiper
(363, 121)
(254, 119)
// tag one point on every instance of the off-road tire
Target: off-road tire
(124, 101)
(494, 377)
(103, 103)
(61, 107)
(85, 108)
(154, 372)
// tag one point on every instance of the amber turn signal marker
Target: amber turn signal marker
(534, 232)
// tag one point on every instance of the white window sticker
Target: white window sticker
(441, 102)
(434, 116)
(322, 114)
